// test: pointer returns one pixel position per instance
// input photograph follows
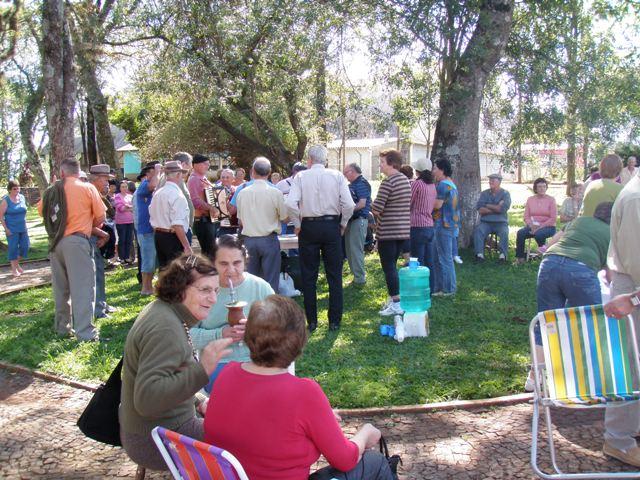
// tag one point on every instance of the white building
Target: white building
(365, 153)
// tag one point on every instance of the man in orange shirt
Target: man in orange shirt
(73, 271)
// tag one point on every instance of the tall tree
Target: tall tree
(257, 69)
(456, 135)
(59, 81)
(9, 29)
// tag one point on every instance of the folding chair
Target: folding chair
(190, 459)
(587, 364)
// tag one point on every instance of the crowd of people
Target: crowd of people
(183, 343)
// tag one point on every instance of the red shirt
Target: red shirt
(276, 425)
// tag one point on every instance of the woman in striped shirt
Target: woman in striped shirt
(391, 208)
(423, 197)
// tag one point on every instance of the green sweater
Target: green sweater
(586, 240)
(159, 375)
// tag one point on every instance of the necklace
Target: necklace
(193, 350)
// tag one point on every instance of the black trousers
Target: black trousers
(205, 231)
(168, 247)
(372, 466)
(389, 251)
(321, 238)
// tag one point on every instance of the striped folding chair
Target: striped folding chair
(590, 360)
(190, 459)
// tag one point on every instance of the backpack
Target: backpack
(54, 212)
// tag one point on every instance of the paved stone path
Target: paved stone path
(39, 439)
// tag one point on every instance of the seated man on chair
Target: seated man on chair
(492, 206)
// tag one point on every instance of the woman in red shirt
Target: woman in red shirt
(276, 424)
(540, 215)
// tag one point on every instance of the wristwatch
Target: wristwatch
(635, 300)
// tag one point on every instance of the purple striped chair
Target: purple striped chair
(190, 459)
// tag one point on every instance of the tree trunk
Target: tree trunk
(586, 145)
(92, 151)
(456, 135)
(572, 107)
(98, 102)
(59, 81)
(33, 161)
(571, 146)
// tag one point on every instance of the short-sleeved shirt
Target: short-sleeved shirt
(143, 200)
(261, 209)
(360, 189)
(449, 214)
(393, 206)
(598, 191)
(585, 240)
(489, 198)
(84, 205)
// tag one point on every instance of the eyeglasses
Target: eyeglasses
(205, 291)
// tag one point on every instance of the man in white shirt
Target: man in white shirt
(320, 205)
(260, 210)
(169, 216)
(622, 422)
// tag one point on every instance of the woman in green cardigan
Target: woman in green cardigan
(161, 373)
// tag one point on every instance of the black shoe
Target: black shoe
(97, 340)
(312, 327)
(479, 259)
(333, 327)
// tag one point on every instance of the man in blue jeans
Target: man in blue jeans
(492, 206)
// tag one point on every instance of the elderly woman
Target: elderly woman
(257, 406)
(161, 372)
(230, 261)
(13, 216)
(571, 206)
(568, 275)
(540, 214)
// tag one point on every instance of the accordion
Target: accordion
(218, 196)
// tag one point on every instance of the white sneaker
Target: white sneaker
(393, 308)
(457, 259)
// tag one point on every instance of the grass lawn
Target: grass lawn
(37, 237)
(478, 345)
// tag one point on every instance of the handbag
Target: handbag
(99, 420)
(393, 460)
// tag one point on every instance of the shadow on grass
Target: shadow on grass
(476, 349)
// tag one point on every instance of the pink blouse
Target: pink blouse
(123, 205)
(542, 210)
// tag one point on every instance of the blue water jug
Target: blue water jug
(415, 295)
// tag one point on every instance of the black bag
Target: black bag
(100, 418)
(108, 250)
(393, 460)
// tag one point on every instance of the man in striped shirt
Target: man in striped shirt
(392, 210)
